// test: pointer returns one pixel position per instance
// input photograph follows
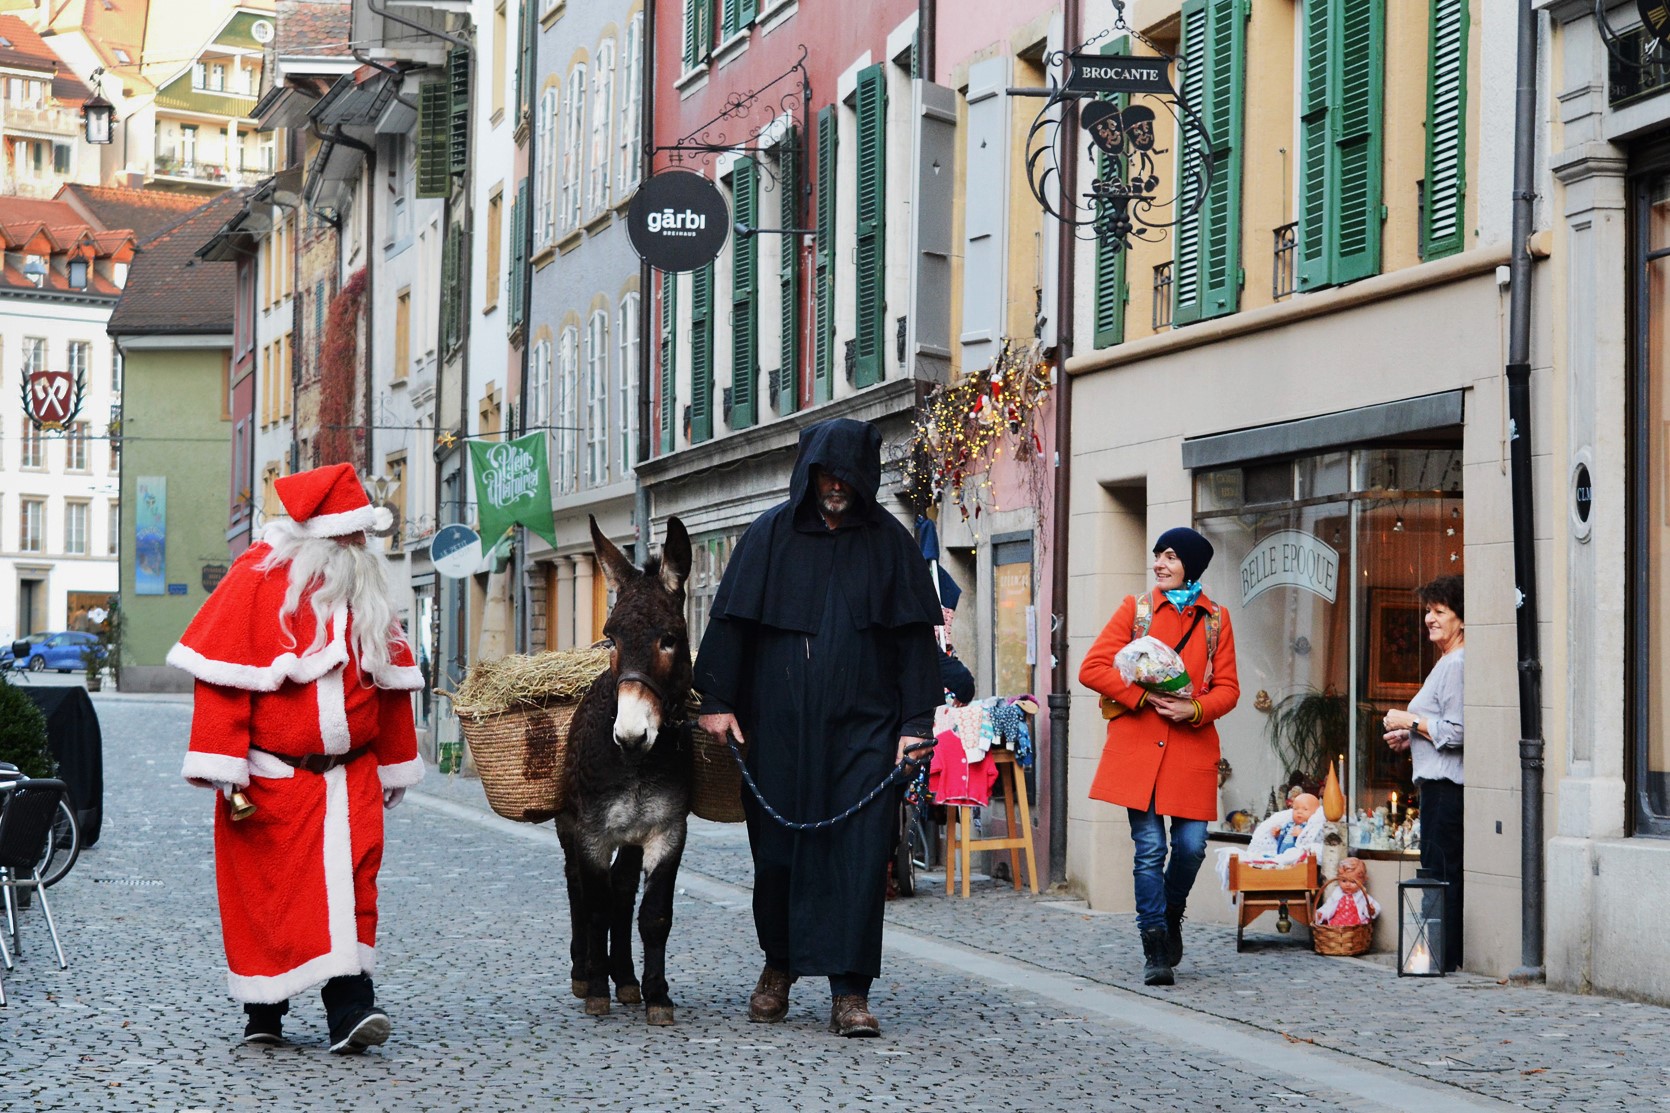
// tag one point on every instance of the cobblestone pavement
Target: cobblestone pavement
(1003, 1002)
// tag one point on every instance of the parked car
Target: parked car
(61, 651)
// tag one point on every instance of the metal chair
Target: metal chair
(25, 825)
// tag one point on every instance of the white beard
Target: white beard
(338, 573)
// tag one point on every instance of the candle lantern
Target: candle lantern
(96, 115)
(1423, 904)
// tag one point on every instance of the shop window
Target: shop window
(1014, 644)
(711, 555)
(1649, 546)
(1318, 560)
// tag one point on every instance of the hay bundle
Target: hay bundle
(494, 687)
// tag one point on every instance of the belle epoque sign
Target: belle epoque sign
(1290, 558)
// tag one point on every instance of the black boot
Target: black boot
(1174, 934)
(1155, 969)
(356, 1022)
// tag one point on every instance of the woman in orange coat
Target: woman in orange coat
(1161, 755)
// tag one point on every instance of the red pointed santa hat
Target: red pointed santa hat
(330, 502)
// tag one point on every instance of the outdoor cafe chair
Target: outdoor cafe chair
(25, 824)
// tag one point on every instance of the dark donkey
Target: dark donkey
(629, 781)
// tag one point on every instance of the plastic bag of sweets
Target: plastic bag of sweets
(1150, 663)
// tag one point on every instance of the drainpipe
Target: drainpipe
(1060, 698)
(1524, 540)
(646, 128)
(370, 304)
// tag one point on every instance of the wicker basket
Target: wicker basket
(716, 788)
(521, 755)
(1341, 941)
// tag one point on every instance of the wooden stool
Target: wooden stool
(1289, 891)
(959, 822)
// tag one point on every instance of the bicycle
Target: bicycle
(63, 842)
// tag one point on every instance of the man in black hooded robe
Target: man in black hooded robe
(820, 652)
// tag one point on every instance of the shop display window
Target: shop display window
(1318, 560)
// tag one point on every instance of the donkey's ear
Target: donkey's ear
(675, 557)
(616, 568)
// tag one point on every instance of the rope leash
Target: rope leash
(908, 767)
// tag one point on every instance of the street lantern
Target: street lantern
(96, 117)
(1423, 905)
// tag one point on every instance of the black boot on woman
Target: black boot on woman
(1155, 970)
(1174, 934)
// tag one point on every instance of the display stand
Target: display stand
(959, 823)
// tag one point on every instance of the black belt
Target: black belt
(317, 763)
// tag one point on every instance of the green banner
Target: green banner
(512, 484)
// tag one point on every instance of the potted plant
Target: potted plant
(23, 739)
(92, 663)
(1306, 729)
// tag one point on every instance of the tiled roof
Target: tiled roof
(54, 228)
(169, 289)
(146, 211)
(21, 48)
(313, 29)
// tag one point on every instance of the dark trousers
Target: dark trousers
(771, 921)
(343, 996)
(1441, 854)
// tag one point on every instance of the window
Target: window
(75, 447)
(626, 385)
(285, 373)
(597, 399)
(75, 527)
(495, 233)
(34, 355)
(1343, 76)
(115, 370)
(823, 338)
(112, 527)
(538, 401)
(199, 75)
(188, 146)
(566, 418)
(698, 32)
(701, 354)
(545, 142)
(399, 180)
(1444, 214)
(33, 448)
(31, 528)
(80, 359)
(217, 77)
(402, 334)
(501, 32)
(602, 119)
(631, 158)
(573, 152)
(745, 323)
(788, 273)
(735, 16)
(266, 390)
(60, 158)
(1649, 538)
(870, 252)
(1206, 260)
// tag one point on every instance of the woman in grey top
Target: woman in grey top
(1430, 731)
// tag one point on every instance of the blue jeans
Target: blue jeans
(1158, 882)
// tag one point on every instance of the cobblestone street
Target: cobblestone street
(1003, 1002)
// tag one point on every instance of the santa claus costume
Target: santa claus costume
(315, 725)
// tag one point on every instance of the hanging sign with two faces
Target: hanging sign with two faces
(678, 221)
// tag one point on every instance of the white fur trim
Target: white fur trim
(339, 868)
(260, 678)
(268, 767)
(274, 988)
(333, 713)
(381, 518)
(402, 774)
(399, 678)
(368, 959)
(358, 520)
(203, 769)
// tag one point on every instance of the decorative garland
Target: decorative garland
(339, 376)
(961, 429)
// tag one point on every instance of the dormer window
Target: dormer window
(78, 274)
(122, 56)
(34, 270)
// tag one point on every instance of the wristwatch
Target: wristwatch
(1415, 727)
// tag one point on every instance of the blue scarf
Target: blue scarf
(1184, 596)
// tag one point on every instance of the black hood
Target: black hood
(847, 449)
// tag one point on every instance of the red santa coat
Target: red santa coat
(298, 879)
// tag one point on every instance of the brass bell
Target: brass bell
(1284, 923)
(241, 805)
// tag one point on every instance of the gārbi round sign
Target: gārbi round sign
(678, 221)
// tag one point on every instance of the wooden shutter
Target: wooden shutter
(458, 109)
(434, 165)
(518, 253)
(734, 16)
(701, 354)
(1443, 226)
(871, 232)
(669, 359)
(1206, 269)
(1355, 178)
(823, 342)
(698, 32)
(1111, 291)
(745, 330)
(788, 272)
(1314, 145)
(985, 246)
(449, 288)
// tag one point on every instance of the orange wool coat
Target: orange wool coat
(1148, 758)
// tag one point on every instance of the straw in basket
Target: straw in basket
(521, 757)
(1341, 940)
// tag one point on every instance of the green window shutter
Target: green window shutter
(1314, 144)
(518, 253)
(824, 324)
(729, 19)
(701, 354)
(434, 165)
(871, 248)
(788, 278)
(1446, 131)
(669, 358)
(698, 31)
(449, 290)
(1360, 33)
(1111, 292)
(458, 109)
(745, 331)
(746, 11)
(1206, 267)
